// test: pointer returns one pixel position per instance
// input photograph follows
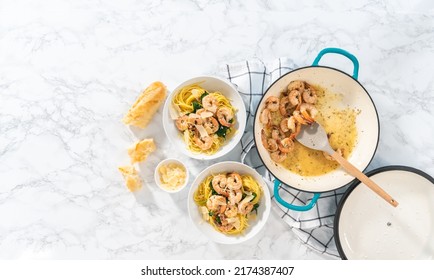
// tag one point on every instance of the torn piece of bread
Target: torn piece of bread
(142, 111)
(141, 150)
(132, 178)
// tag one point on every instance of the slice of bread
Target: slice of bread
(142, 111)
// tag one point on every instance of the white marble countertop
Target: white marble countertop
(69, 70)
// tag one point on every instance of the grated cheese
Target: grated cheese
(131, 176)
(141, 150)
(206, 114)
(202, 131)
(172, 176)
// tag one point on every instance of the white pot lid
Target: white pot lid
(366, 227)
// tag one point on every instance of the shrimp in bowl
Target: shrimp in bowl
(229, 202)
(204, 117)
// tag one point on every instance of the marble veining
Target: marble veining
(69, 70)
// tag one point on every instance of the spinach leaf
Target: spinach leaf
(217, 219)
(255, 208)
(210, 213)
(203, 95)
(221, 132)
(196, 106)
(213, 192)
(254, 196)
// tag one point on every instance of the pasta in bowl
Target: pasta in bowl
(229, 202)
(204, 117)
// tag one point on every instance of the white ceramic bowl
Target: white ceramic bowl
(157, 176)
(254, 225)
(210, 84)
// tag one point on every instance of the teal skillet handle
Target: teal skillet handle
(292, 206)
(341, 52)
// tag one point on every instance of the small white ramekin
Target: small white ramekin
(157, 176)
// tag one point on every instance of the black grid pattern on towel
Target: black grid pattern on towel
(314, 227)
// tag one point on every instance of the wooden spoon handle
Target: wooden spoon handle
(364, 179)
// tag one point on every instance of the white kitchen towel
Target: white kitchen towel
(313, 227)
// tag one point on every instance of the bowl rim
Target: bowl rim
(329, 68)
(157, 175)
(241, 124)
(230, 239)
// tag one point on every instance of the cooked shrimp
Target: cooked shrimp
(211, 125)
(299, 118)
(225, 116)
(269, 143)
(296, 131)
(245, 206)
(225, 225)
(286, 145)
(272, 145)
(204, 143)
(296, 85)
(277, 133)
(272, 103)
(309, 96)
(278, 156)
(216, 203)
(235, 196)
(182, 122)
(285, 106)
(195, 119)
(231, 211)
(234, 181)
(288, 124)
(294, 97)
(192, 128)
(225, 228)
(265, 116)
(219, 184)
(309, 112)
(210, 103)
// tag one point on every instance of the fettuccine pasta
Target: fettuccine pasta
(206, 119)
(227, 200)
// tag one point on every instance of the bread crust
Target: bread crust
(146, 105)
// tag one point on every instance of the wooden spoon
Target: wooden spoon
(314, 136)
